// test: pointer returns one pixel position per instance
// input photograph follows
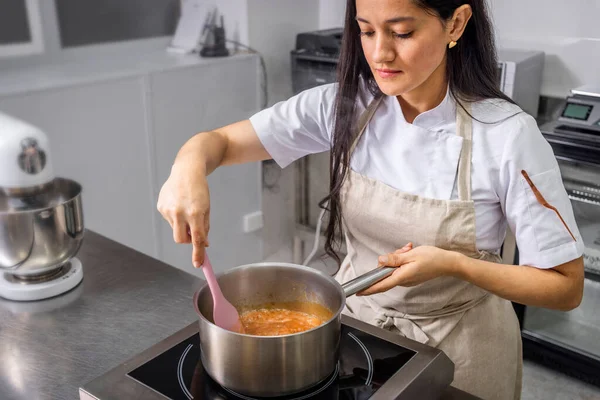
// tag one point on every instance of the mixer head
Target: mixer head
(25, 160)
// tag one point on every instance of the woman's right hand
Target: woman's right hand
(184, 201)
(184, 198)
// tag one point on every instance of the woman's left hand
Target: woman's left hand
(414, 266)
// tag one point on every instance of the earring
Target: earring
(451, 44)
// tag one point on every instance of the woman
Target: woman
(431, 164)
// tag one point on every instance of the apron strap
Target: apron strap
(364, 119)
(464, 125)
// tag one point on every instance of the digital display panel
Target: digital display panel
(577, 111)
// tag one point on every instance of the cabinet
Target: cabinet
(117, 131)
(98, 138)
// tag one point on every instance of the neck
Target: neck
(426, 96)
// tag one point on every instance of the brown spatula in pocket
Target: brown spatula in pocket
(543, 201)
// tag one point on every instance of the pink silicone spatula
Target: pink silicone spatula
(225, 314)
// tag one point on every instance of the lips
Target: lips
(388, 73)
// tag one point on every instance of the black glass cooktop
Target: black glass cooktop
(366, 363)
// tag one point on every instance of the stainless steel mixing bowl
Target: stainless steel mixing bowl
(40, 231)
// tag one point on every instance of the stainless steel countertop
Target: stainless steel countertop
(126, 303)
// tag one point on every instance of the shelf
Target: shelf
(103, 66)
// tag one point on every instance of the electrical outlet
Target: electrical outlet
(253, 222)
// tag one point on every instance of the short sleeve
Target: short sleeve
(545, 237)
(299, 126)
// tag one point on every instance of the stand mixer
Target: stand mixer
(41, 218)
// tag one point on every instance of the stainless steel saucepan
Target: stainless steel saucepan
(267, 366)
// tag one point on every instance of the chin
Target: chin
(393, 88)
(398, 86)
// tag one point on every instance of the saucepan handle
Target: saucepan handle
(366, 280)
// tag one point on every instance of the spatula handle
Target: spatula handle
(210, 277)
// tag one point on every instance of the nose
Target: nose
(384, 50)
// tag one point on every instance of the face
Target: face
(404, 45)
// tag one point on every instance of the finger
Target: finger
(198, 238)
(198, 255)
(383, 285)
(207, 227)
(383, 260)
(180, 231)
(393, 259)
(406, 248)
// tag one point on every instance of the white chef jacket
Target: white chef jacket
(422, 159)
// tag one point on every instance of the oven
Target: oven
(569, 341)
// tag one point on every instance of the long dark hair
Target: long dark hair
(471, 70)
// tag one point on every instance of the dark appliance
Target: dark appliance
(315, 58)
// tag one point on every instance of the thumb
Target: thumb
(406, 248)
(387, 259)
(393, 259)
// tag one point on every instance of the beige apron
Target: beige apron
(476, 329)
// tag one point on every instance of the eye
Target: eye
(367, 33)
(402, 35)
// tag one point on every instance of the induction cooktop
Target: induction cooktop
(373, 364)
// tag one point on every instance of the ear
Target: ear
(458, 23)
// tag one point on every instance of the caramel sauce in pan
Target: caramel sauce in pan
(284, 319)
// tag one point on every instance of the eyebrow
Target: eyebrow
(389, 21)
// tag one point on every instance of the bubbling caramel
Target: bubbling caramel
(277, 321)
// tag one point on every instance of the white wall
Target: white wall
(331, 13)
(235, 14)
(566, 30)
(273, 26)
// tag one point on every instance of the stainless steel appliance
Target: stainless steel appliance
(520, 77)
(568, 341)
(41, 218)
(373, 364)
